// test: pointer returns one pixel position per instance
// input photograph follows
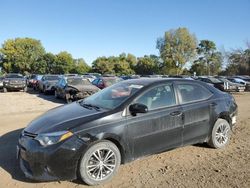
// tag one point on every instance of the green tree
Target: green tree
(103, 66)
(145, 66)
(50, 60)
(119, 65)
(213, 59)
(176, 48)
(239, 62)
(63, 64)
(19, 54)
(80, 66)
(199, 67)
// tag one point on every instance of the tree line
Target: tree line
(179, 53)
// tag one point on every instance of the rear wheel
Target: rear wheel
(99, 163)
(220, 134)
(5, 90)
(25, 89)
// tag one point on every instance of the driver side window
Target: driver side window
(158, 97)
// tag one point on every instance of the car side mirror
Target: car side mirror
(138, 108)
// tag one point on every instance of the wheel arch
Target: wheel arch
(115, 139)
(225, 116)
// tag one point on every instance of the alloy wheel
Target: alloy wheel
(101, 164)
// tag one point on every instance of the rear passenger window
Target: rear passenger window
(192, 92)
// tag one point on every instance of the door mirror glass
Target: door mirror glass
(138, 108)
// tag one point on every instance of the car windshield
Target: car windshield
(14, 76)
(78, 81)
(51, 77)
(112, 96)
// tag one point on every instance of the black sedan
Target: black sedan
(90, 138)
(213, 81)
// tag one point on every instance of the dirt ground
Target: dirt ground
(191, 166)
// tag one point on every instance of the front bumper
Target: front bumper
(54, 162)
(14, 86)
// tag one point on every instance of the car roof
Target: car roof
(149, 81)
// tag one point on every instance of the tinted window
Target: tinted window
(191, 92)
(158, 97)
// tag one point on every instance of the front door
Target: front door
(161, 127)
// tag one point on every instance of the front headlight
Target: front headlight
(53, 138)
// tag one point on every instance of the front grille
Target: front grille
(28, 134)
(16, 82)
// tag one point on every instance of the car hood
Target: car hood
(63, 117)
(85, 87)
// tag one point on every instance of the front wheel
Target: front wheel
(99, 163)
(220, 134)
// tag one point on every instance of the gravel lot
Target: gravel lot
(191, 166)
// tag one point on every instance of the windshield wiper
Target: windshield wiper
(90, 106)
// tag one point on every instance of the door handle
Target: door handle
(176, 113)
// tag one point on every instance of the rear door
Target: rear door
(161, 127)
(194, 99)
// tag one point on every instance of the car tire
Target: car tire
(99, 163)
(5, 90)
(220, 134)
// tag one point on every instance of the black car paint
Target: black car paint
(136, 136)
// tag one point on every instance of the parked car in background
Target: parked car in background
(74, 88)
(91, 78)
(47, 83)
(240, 81)
(213, 81)
(90, 138)
(245, 78)
(37, 80)
(93, 74)
(70, 75)
(231, 86)
(181, 76)
(1, 82)
(31, 80)
(14, 81)
(103, 82)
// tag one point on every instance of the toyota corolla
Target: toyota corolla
(90, 138)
